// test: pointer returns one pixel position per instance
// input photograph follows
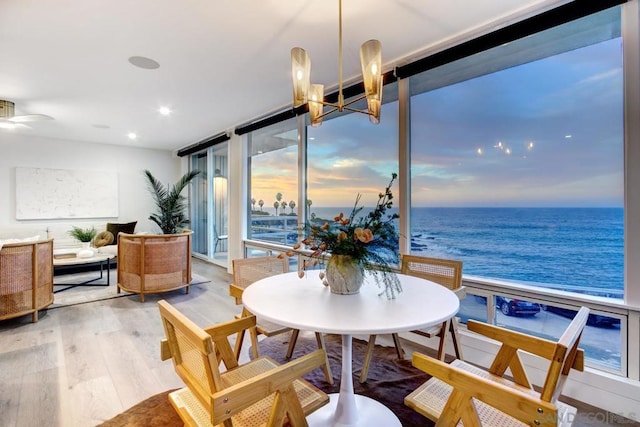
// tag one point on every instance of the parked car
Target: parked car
(597, 320)
(515, 307)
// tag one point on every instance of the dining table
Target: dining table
(305, 303)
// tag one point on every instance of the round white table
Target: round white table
(304, 303)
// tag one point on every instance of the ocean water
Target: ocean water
(577, 249)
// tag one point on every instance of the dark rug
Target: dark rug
(389, 381)
(155, 411)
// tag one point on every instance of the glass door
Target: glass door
(209, 204)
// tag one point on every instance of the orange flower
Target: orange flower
(364, 235)
(342, 236)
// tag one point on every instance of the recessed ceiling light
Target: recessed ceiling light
(132, 135)
(165, 111)
(142, 62)
(99, 126)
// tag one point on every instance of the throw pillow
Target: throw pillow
(103, 239)
(115, 229)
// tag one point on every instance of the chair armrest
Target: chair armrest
(236, 292)
(538, 346)
(460, 292)
(511, 400)
(239, 396)
(224, 330)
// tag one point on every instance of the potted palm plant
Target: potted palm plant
(171, 207)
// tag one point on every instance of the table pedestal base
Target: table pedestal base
(370, 413)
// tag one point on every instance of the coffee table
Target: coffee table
(308, 305)
(98, 259)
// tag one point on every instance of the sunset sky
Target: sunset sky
(546, 133)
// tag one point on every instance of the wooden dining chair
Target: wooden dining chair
(249, 270)
(257, 393)
(445, 272)
(484, 397)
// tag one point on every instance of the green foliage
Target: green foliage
(83, 234)
(171, 205)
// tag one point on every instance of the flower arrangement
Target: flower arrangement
(371, 241)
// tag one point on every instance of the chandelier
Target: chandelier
(313, 94)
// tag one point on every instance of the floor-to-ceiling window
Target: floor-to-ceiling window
(200, 206)
(517, 169)
(209, 203)
(273, 189)
(347, 156)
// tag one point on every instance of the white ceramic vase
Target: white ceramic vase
(85, 250)
(344, 275)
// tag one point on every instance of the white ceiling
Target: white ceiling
(222, 63)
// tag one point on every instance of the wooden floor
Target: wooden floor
(83, 364)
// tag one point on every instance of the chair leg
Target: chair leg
(238, 346)
(396, 342)
(367, 359)
(292, 342)
(443, 335)
(253, 334)
(326, 367)
(457, 345)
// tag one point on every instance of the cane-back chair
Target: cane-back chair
(478, 397)
(249, 270)
(445, 272)
(258, 393)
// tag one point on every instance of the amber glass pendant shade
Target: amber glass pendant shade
(316, 96)
(371, 60)
(300, 73)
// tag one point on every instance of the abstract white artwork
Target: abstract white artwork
(43, 193)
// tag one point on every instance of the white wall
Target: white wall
(135, 201)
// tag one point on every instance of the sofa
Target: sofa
(26, 277)
(152, 263)
(63, 243)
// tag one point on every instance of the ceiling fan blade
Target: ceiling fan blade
(8, 124)
(30, 118)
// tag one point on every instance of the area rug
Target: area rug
(64, 296)
(155, 411)
(389, 381)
